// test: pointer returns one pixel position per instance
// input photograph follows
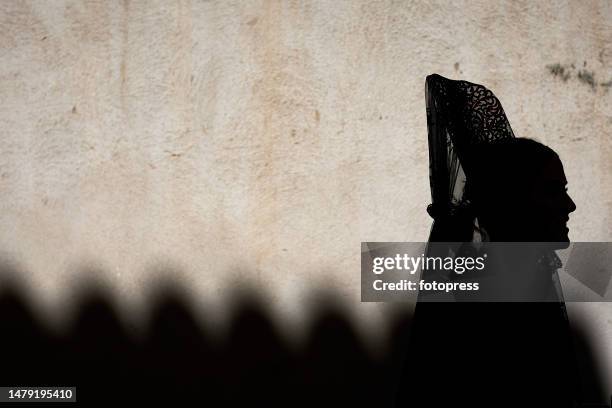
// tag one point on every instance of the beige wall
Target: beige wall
(261, 141)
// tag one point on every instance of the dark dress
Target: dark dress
(490, 354)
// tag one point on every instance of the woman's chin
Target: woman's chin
(562, 244)
(562, 241)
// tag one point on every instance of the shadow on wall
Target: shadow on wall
(177, 361)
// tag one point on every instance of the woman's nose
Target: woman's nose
(571, 203)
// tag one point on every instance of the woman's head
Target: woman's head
(518, 190)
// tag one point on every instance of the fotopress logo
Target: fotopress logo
(486, 271)
(411, 264)
(396, 272)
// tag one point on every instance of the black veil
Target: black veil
(460, 115)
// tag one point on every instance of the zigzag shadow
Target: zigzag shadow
(177, 361)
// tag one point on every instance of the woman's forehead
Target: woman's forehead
(552, 171)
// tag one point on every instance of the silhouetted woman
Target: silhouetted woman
(489, 186)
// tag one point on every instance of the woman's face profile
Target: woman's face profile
(522, 194)
(550, 203)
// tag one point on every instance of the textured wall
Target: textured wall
(261, 141)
